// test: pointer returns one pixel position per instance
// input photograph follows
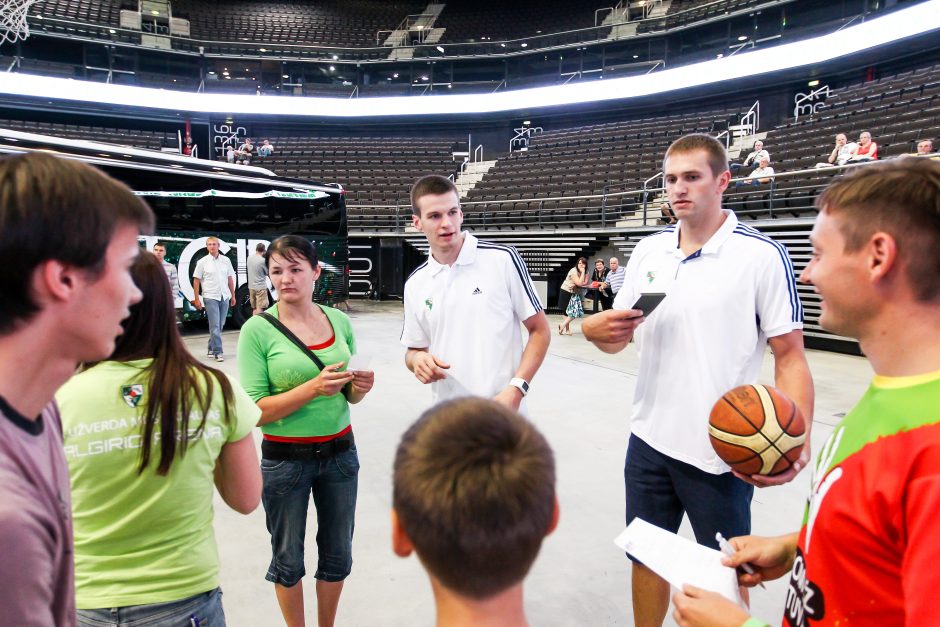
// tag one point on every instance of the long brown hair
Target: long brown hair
(176, 382)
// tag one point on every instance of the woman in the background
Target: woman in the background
(569, 296)
(291, 361)
(148, 433)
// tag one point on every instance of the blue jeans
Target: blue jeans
(286, 491)
(204, 610)
(660, 489)
(216, 310)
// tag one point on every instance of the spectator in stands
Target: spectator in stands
(187, 149)
(668, 215)
(615, 276)
(474, 496)
(154, 502)
(599, 287)
(230, 154)
(925, 147)
(754, 157)
(764, 173)
(571, 290)
(265, 149)
(866, 150)
(245, 152)
(840, 153)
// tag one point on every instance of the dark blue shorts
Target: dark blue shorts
(661, 489)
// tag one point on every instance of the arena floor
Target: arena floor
(580, 401)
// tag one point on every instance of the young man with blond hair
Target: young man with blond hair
(869, 545)
(729, 292)
(466, 305)
(474, 496)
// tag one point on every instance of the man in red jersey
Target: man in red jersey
(869, 545)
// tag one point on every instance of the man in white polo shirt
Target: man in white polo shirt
(215, 275)
(729, 291)
(464, 306)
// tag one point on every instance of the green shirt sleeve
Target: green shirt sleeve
(246, 413)
(252, 360)
(754, 622)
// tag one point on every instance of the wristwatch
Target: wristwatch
(522, 384)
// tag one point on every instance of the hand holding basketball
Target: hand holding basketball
(757, 430)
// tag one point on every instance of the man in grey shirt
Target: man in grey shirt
(159, 250)
(66, 284)
(257, 285)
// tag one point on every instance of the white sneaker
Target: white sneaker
(219, 357)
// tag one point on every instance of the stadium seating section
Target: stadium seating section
(482, 20)
(105, 12)
(341, 23)
(682, 12)
(121, 136)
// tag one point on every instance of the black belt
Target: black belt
(295, 451)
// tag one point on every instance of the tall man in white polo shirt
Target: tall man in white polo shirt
(215, 275)
(729, 291)
(465, 305)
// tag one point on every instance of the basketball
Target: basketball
(757, 430)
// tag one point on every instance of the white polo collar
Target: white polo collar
(466, 256)
(714, 242)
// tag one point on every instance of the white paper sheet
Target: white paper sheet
(359, 362)
(679, 560)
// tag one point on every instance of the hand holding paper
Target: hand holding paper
(678, 560)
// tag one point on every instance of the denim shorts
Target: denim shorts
(203, 609)
(661, 489)
(286, 492)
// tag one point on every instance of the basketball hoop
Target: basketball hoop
(13, 25)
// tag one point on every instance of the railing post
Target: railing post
(770, 200)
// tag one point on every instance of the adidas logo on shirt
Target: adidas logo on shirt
(477, 291)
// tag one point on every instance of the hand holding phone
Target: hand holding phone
(648, 302)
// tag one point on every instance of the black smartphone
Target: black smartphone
(648, 302)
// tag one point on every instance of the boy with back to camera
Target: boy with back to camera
(474, 496)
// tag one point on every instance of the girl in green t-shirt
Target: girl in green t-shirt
(304, 394)
(147, 435)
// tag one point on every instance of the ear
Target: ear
(55, 281)
(723, 180)
(556, 514)
(401, 543)
(416, 221)
(882, 255)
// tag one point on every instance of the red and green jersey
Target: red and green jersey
(869, 549)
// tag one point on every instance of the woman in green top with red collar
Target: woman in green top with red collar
(308, 442)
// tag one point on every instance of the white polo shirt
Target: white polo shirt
(469, 315)
(213, 273)
(710, 332)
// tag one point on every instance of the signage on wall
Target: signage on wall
(811, 103)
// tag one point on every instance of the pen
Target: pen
(728, 550)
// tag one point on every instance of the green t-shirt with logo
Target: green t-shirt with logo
(270, 364)
(140, 539)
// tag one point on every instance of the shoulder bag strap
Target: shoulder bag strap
(277, 324)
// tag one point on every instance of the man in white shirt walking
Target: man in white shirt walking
(216, 276)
